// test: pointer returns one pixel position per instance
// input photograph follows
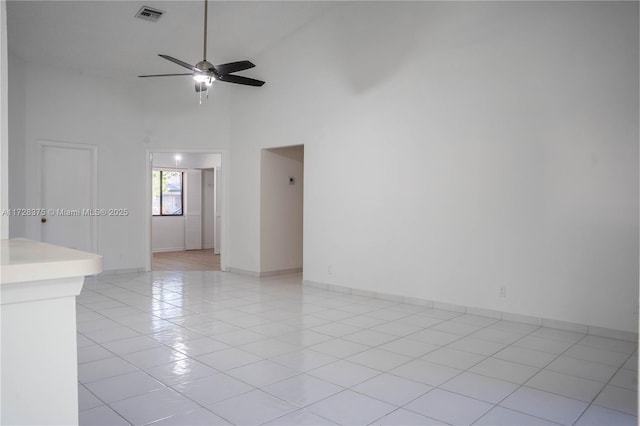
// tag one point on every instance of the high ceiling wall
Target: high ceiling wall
(455, 148)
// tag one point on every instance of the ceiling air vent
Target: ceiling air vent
(149, 14)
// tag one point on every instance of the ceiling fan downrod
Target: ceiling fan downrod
(204, 49)
(204, 52)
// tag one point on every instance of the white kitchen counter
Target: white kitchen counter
(38, 286)
(26, 260)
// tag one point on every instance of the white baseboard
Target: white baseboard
(264, 273)
(508, 316)
(242, 271)
(279, 272)
(160, 250)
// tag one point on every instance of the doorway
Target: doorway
(281, 210)
(185, 220)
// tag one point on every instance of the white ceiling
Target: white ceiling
(103, 37)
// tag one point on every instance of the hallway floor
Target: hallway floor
(186, 260)
(209, 348)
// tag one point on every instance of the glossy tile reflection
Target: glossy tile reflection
(181, 348)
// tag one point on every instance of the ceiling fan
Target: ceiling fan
(205, 73)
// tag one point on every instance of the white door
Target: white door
(67, 192)
(208, 211)
(193, 210)
(218, 213)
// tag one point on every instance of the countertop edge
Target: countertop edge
(25, 260)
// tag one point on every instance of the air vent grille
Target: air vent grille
(149, 14)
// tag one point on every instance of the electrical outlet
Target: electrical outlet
(502, 293)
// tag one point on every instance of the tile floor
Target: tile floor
(210, 348)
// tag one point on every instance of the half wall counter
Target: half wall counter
(39, 372)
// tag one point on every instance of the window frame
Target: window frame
(161, 191)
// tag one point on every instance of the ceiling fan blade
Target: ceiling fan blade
(163, 75)
(238, 79)
(179, 62)
(233, 67)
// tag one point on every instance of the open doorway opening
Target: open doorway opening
(281, 210)
(185, 214)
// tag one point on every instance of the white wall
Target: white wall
(173, 118)
(167, 233)
(281, 209)
(125, 120)
(453, 148)
(189, 160)
(16, 128)
(68, 107)
(4, 138)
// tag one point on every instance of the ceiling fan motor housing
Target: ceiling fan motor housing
(206, 68)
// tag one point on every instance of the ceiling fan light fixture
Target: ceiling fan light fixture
(204, 73)
(201, 78)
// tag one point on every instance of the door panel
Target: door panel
(208, 211)
(218, 213)
(193, 210)
(67, 189)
